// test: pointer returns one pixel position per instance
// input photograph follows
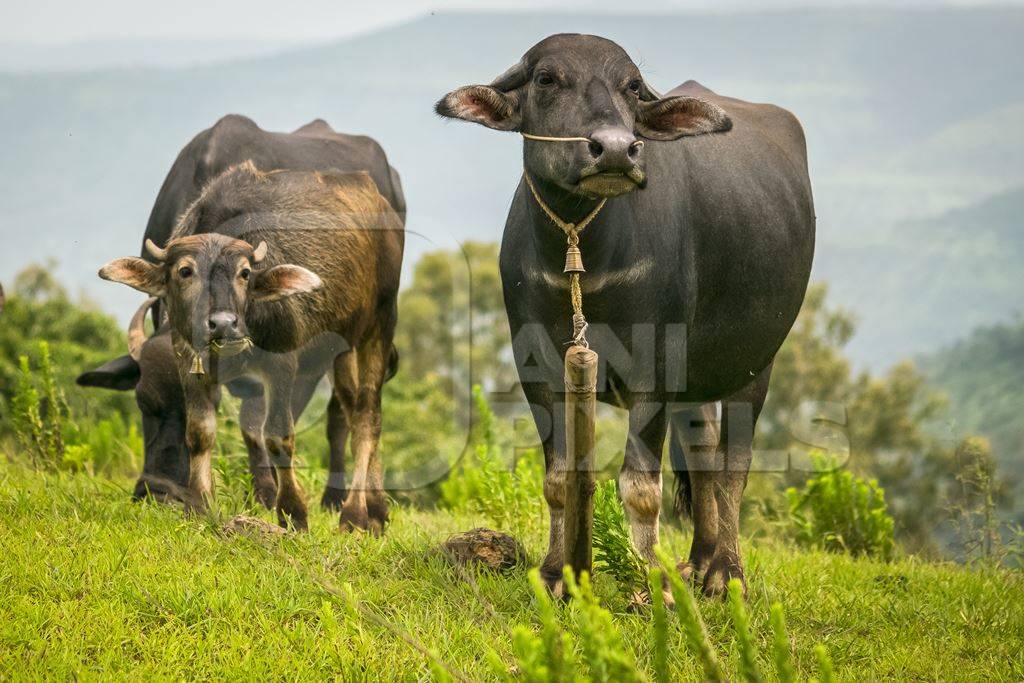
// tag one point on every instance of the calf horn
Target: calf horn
(137, 329)
(156, 252)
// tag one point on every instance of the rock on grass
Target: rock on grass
(254, 526)
(485, 548)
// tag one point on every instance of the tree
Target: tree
(38, 309)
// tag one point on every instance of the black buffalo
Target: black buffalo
(696, 269)
(152, 372)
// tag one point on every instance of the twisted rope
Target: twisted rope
(572, 235)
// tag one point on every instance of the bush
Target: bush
(78, 337)
(614, 553)
(511, 498)
(48, 437)
(38, 409)
(840, 512)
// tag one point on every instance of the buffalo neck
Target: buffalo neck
(599, 243)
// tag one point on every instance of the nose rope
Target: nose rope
(573, 259)
(546, 138)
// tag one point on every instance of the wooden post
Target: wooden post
(580, 402)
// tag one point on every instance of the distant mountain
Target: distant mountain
(984, 377)
(898, 105)
(129, 54)
(929, 281)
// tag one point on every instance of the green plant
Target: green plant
(614, 553)
(748, 668)
(693, 625)
(974, 511)
(659, 625)
(38, 411)
(483, 484)
(840, 512)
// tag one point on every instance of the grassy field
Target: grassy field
(95, 586)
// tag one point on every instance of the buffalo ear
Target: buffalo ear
(136, 272)
(482, 104)
(120, 374)
(283, 281)
(671, 118)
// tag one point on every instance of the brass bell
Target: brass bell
(197, 365)
(573, 260)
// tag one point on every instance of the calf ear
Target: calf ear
(135, 272)
(671, 118)
(120, 374)
(283, 281)
(482, 104)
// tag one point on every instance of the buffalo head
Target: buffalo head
(207, 281)
(571, 85)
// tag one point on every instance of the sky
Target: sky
(62, 21)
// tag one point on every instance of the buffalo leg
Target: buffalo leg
(696, 432)
(280, 440)
(251, 417)
(366, 507)
(200, 437)
(739, 416)
(640, 477)
(337, 439)
(554, 487)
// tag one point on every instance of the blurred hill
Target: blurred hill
(984, 378)
(88, 55)
(911, 118)
(930, 281)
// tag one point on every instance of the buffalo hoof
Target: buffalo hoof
(296, 520)
(723, 569)
(333, 499)
(554, 581)
(690, 573)
(356, 518)
(265, 492)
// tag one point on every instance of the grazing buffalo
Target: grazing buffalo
(696, 267)
(150, 368)
(319, 288)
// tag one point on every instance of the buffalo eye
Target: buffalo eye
(634, 86)
(544, 79)
(185, 272)
(245, 273)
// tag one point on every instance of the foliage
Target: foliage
(453, 318)
(691, 621)
(748, 667)
(880, 427)
(38, 412)
(984, 379)
(614, 553)
(840, 512)
(483, 484)
(49, 439)
(974, 509)
(79, 338)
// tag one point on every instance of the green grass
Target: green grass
(95, 586)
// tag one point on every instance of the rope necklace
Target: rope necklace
(573, 257)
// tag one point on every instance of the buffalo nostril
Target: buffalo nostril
(595, 148)
(212, 324)
(634, 149)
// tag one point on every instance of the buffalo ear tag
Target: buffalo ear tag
(573, 260)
